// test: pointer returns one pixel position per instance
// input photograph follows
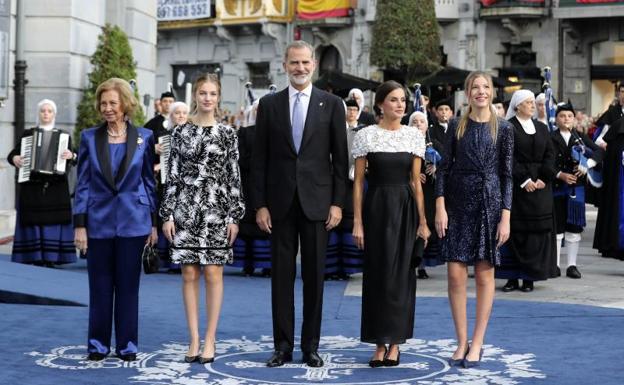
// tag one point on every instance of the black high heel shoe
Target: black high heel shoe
(208, 360)
(378, 363)
(473, 364)
(458, 362)
(389, 362)
(191, 359)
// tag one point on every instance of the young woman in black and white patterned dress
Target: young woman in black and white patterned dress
(201, 208)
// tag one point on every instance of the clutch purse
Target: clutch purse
(150, 259)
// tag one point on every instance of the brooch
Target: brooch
(139, 140)
(321, 104)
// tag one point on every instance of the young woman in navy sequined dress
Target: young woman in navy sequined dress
(473, 208)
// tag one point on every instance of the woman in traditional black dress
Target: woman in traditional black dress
(43, 229)
(473, 208)
(531, 252)
(387, 226)
(431, 254)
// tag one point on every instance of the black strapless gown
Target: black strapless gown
(390, 218)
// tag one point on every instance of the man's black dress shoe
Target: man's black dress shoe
(527, 286)
(279, 358)
(127, 357)
(511, 285)
(312, 359)
(96, 356)
(572, 272)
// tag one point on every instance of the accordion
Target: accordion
(41, 153)
(165, 150)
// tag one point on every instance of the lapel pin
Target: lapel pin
(321, 104)
(139, 140)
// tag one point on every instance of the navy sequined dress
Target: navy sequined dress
(475, 179)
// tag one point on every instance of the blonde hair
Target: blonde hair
(129, 103)
(463, 121)
(211, 78)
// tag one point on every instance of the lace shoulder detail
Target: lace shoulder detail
(376, 139)
(361, 141)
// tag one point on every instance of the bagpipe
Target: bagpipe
(581, 153)
(551, 105)
(432, 156)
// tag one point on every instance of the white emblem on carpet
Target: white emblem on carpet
(242, 362)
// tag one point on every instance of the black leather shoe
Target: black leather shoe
(527, 286)
(278, 359)
(96, 356)
(191, 359)
(313, 360)
(511, 285)
(422, 274)
(206, 360)
(127, 357)
(572, 272)
(389, 362)
(378, 363)
(558, 272)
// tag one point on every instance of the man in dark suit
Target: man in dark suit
(444, 113)
(299, 173)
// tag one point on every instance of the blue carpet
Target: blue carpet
(527, 342)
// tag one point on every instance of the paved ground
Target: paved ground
(602, 283)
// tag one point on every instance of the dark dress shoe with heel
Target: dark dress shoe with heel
(312, 359)
(388, 362)
(422, 274)
(191, 359)
(378, 363)
(527, 286)
(460, 361)
(511, 285)
(206, 360)
(127, 357)
(573, 272)
(279, 358)
(95, 356)
(473, 364)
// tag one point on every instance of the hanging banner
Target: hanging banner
(320, 9)
(183, 9)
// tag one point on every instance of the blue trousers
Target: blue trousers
(114, 267)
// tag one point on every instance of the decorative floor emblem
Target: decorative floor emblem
(242, 362)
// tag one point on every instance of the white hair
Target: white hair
(414, 115)
(174, 106)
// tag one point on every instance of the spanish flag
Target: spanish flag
(319, 9)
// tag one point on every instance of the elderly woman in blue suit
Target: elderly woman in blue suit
(114, 217)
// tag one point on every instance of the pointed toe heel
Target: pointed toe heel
(473, 364)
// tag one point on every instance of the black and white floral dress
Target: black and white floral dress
(203, 193)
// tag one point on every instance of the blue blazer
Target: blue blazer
(115, 206)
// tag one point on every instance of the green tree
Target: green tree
(112, 58)
(405, 37)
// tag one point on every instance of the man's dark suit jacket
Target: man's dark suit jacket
(318, 174)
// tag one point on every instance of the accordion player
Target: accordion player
(42, 153)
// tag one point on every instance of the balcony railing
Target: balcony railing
(513, 8)
(575, 9)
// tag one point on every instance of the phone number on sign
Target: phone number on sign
(194, 10)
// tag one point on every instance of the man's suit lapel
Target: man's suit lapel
(103, 155)
(314, 108)
(131, 145)
(284, 105)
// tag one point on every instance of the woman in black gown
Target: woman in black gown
(387, 226)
